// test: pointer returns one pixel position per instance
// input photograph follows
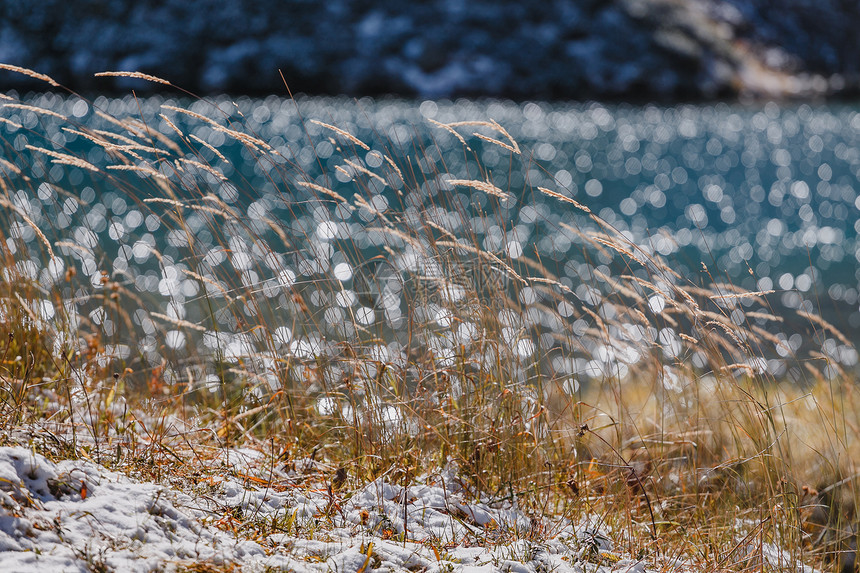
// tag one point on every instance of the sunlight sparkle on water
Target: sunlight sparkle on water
(765, 197)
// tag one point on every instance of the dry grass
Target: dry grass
(692, 451)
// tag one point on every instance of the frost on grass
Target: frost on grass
(78, 516)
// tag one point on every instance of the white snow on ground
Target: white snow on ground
(73, 516)
(78, 516)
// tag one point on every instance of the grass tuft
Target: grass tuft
(356, 325)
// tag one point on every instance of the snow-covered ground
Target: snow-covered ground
(78, 516)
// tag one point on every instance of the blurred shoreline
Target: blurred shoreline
(665, 51)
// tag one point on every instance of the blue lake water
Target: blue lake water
(764, 197)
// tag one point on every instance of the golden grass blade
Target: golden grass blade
(13, 168)
(136, 75)
(484, 254)
(764, 316)
(345, 134)
(205, 144)
(366, 171)
(35, 109)
(396, 170)
(165, 201)
(441, 229)
(9, 122)
(324, 190)
(501, 144)
(138, 126)
(826, 326)
(172, 126)
(65, 158)
(492, 124)
(564, 198)
(29, 73)
(450, 129)
(514, 146)
(484, 186)
(178, 322)
(118, 136)
(9, 205)
(140, 168)
(193, 114)
(203, 167)
(209, 281)
(247, 139)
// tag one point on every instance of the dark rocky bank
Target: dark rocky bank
(521, 49)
